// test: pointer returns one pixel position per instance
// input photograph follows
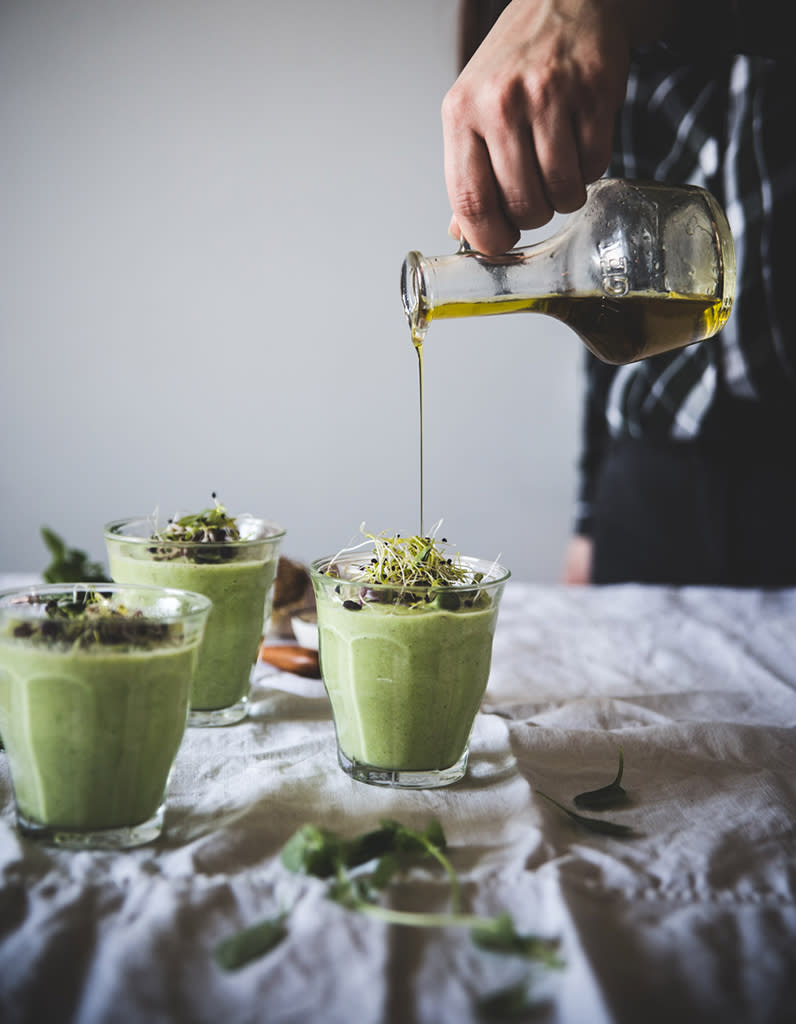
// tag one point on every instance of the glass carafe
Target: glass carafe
(641, 268)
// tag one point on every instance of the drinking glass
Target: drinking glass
(94, 685)
(237, 576)
(405, 668)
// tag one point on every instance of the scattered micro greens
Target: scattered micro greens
(391, 849)
(612, 795)
(69, 565)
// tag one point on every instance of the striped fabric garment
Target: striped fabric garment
(724, 123)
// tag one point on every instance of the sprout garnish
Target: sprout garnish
(210, 526)
(407, 562)
(85, 619)
(198, 537)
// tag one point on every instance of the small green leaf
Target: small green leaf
(53, 542)
(607, 828)
(69, 565)
(435, 835)
(313, 851)
(499, 935)
(612, 795)
(246, 945)
(371, 845)
(387, 867)
(346, 892)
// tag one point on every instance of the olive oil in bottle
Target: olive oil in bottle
(616, 330)
(641, 268)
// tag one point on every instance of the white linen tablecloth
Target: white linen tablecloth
(694, 919)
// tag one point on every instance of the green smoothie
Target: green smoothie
(404, 683)
(238, 591)
(405, 642)
(231, 561)
(92, 722)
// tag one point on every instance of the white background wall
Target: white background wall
(204, 206)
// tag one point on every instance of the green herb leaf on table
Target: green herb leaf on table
(313, 851)
(323, 853)
(390, 849)
(250, 943)
(498, 935)
(612, 795)
(600, 825)
(69, 565)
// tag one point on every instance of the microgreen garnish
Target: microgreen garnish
(612, 795)
(391, 848)
(411, 561)
(210, 526)
(408, 562)
(607, 828)
(88, 619)
(69, 565)
(198, 537)
(413, 572)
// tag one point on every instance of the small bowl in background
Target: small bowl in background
(305, 629)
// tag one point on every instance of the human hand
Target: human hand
(529, 121)
(577, 560)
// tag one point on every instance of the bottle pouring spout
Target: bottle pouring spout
(412, 290)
